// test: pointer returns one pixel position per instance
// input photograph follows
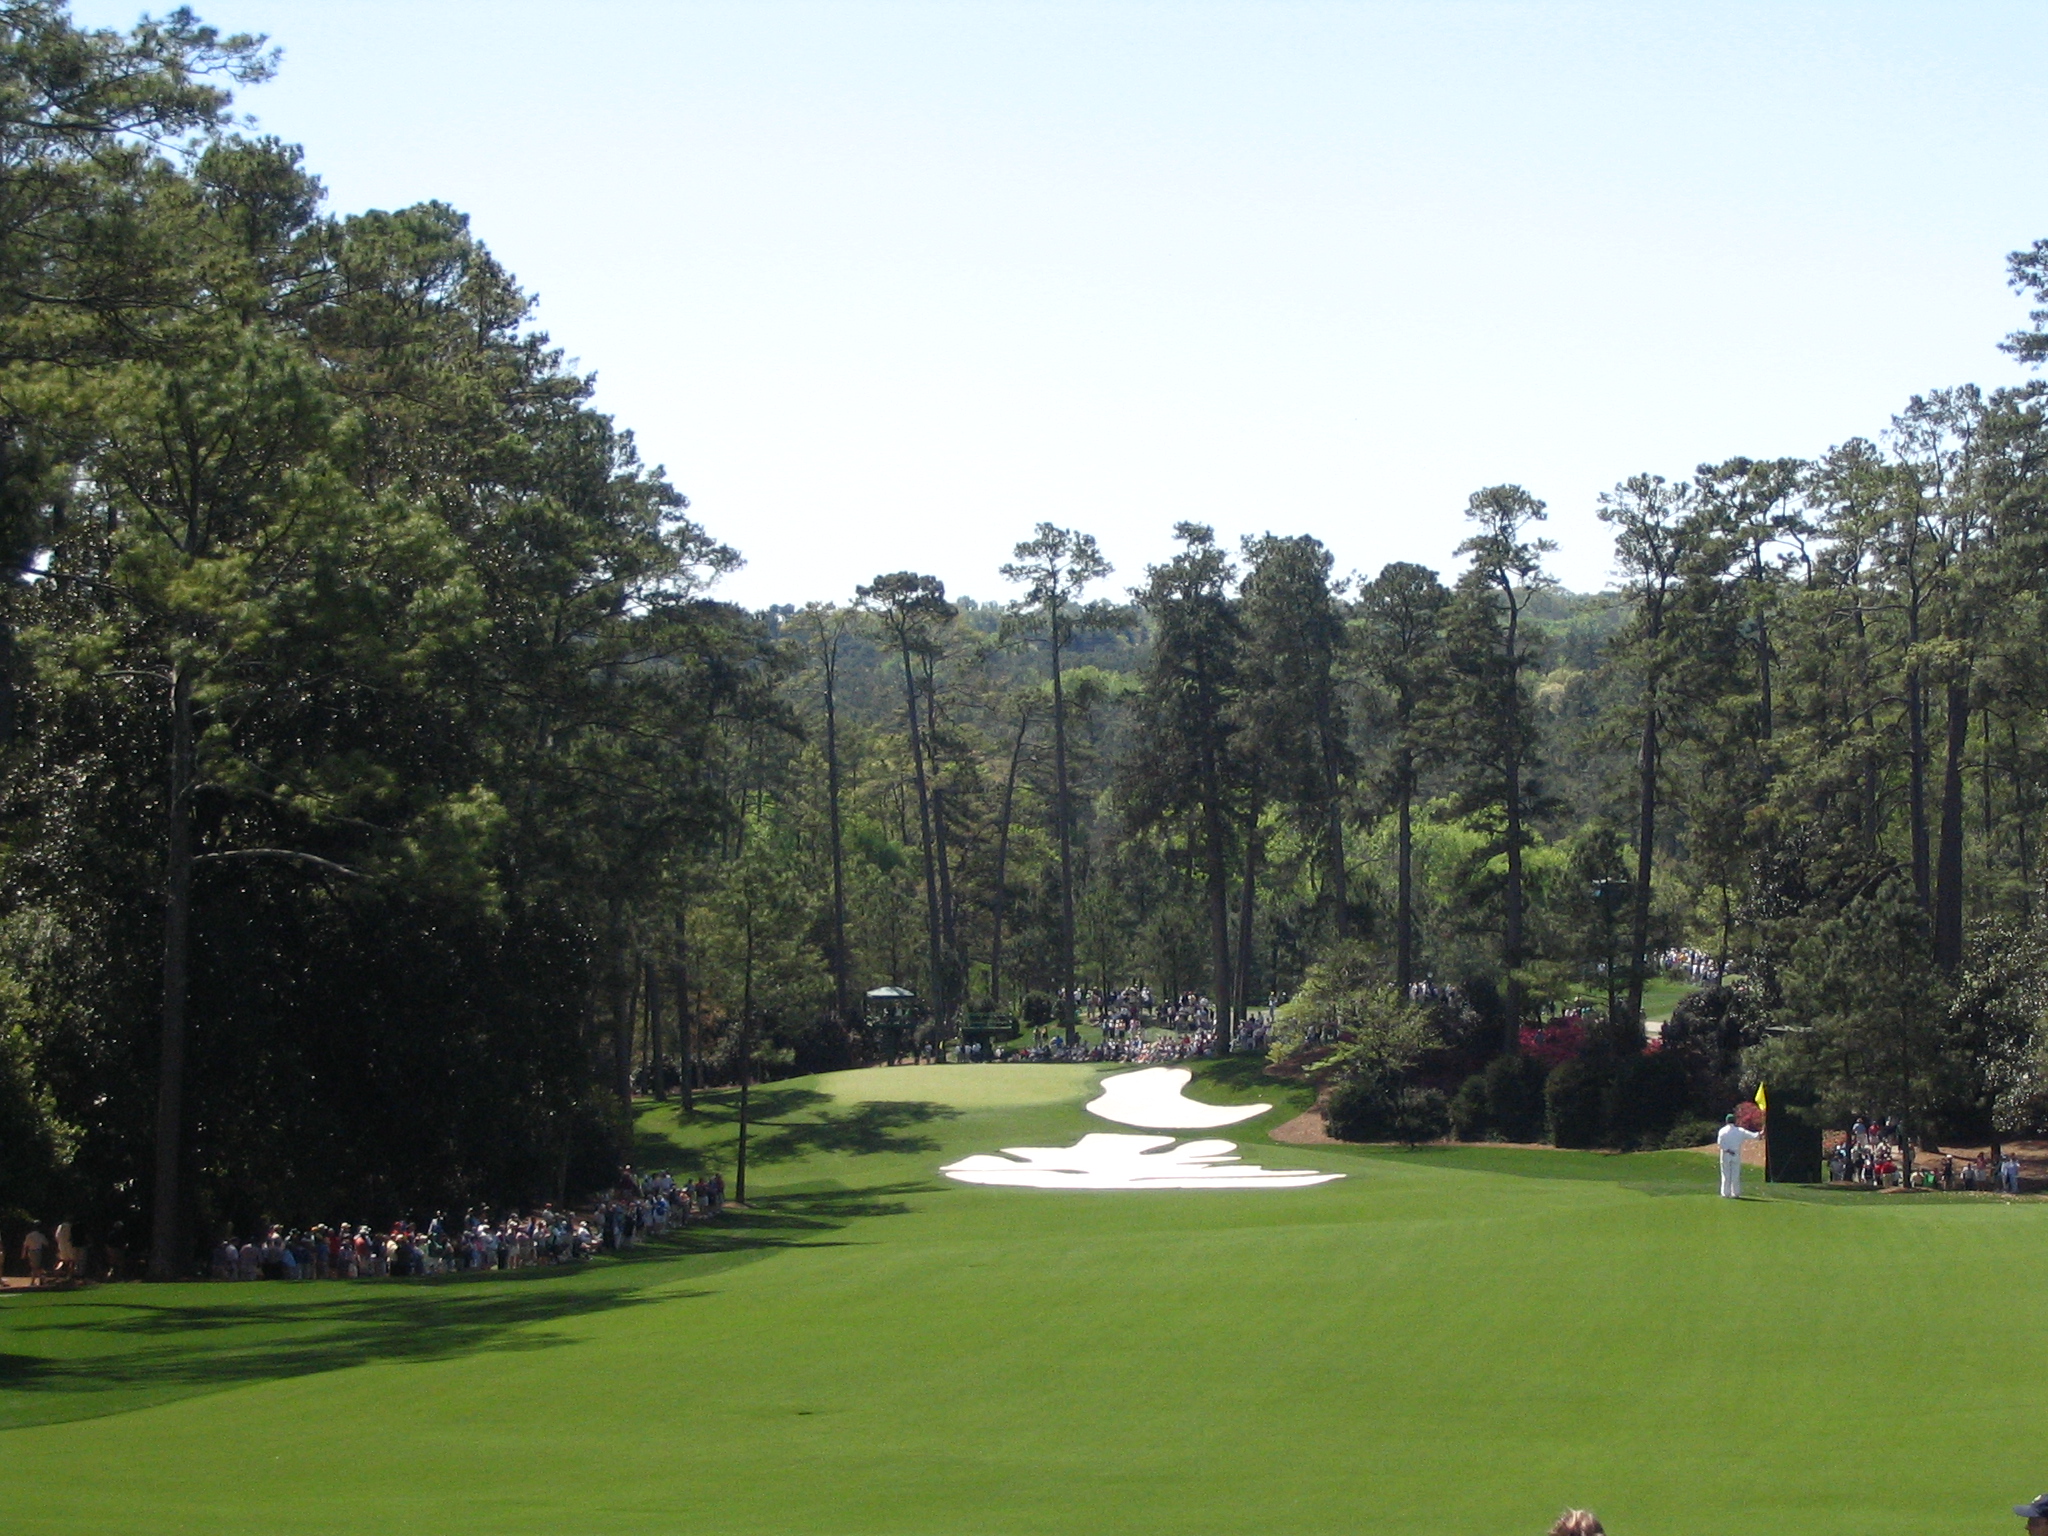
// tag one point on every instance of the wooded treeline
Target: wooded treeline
(387, 794)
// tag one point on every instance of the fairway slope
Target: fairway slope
(1448, 1339)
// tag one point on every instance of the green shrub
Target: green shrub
(1642, 1098)
(1514, 1097)
(1691, 1132)
(1574, 1104)
(1356, 1111)
(1365, 1111)
(1418, 1115)
(1470, 1120)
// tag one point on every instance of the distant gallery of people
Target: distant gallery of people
(638, 1208)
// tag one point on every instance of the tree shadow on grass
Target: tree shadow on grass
(788, 1123)
(1645, 1173)
(862, 1129)
(119, 1348)
(771, 1101)
(1241, 1073)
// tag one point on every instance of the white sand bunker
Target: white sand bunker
(1106, 1161)
(1152, 1098)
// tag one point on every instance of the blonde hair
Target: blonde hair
(1578, 1522)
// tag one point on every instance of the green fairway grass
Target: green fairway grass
(1448, 1340)
(1661, 994)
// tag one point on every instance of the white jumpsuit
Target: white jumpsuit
(1730, 1140)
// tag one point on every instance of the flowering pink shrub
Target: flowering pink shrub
(1554, 1043)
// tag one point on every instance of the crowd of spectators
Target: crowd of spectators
(638, 1207)
(1134, 1046)
(641, 1206)
(1695, 965)
(1870, 1155)
(1138, 1028)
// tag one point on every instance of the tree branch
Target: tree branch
(290, 854)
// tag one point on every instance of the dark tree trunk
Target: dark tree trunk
(1766, 721)
(2020, 821)
(1766, 713)
(1985, 781)
(1002, 890)
(1646, 839)
(746, 1051)
(1870, 814)
(1916, 786)
(686, 1032)
(650, 988)
(1247, 912)
(739, 1181)
(937, 1001)
(1216, 866)
(1338, 878)
(942, 853)
(1513, 917)
(167, 1246)
(841, 999)
(949, 911)
(1062, 812)
(1404, 875)
(622, 1032)
(1948, 896)
(1512, 894)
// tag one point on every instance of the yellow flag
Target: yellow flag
(1760, 1104)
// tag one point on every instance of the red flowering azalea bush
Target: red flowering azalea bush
(1553, 1043)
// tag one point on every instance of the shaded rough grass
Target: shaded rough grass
(1450, 1339)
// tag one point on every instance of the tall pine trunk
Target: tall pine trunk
(937, 1001)
(1646, 839)
(1948, 894)
(1002, 890)
(650, 988)
(1512, 895)
(1404, 875)
(2020, 822)
(1216, 867)
(1513, 916)
(1247, 912)
(166, 1239)
(1916, 785)
(622, 1032)
(841, 1000)
(1062, 811)
(746, 1050)
(686, 1027)
(942, 856)
(1338, 878)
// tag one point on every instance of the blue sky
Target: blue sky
(882, 285)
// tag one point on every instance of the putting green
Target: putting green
(1451, 1340)
(986, 1086)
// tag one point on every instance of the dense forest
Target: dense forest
(388, 796)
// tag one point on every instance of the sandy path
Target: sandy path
(1305, 1130)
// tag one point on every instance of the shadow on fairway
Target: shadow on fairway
(1646, 1173)
(119, 1348)
(1246, 1075)
(784, 1124)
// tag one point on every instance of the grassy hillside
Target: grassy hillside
(1446, 1340)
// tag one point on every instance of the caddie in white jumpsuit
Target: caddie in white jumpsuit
(1730, 1141)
